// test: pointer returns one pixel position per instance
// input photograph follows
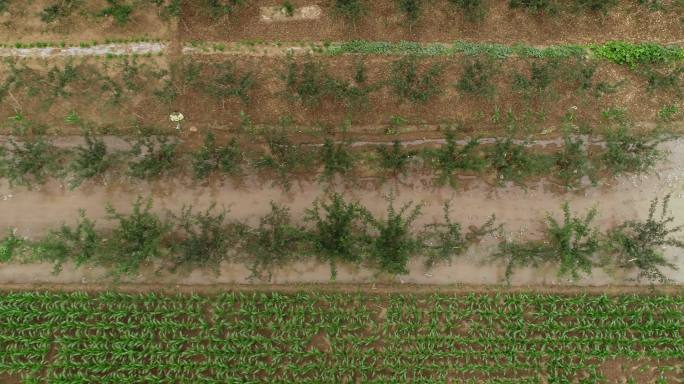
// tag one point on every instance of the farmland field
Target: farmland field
(476, 190)
(340, 337)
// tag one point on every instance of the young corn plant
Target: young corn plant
(156, 156)
(393, 242)
(203, 239)
(30, 162)
(213, 158)
(139, 237)
(90, 161)
(449, 159)
(336, 159)
(639, 244)
(339, 231)
(444, 241)
(414, 85)
(274, 243)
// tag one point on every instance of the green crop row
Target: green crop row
(337, 231)
(311, 337)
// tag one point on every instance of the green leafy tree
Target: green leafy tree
(274, 243)
(394, 243)
(443, 241)
(339, 231)
(639, 244)
(139, 237)
(215, 158)
(449, 159)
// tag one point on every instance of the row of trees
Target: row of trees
(336, 231)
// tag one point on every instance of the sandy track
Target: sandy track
(34, 212)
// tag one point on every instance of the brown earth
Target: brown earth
(439, 21)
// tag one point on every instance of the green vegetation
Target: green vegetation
(411, 84)
(639, 244)
(449, 160)
(350, 10)
(394, 242)
(216, 9)
(284, 158)
(30, 162)
(274, 243)
(395, 159)
(311, 336)
(477, 77)
(634, 54)
(138, 238)
(90, 160)
(573, 163)
(120, 12)
(627, 152)
(202, 239)
(474, 10)
(443, 241)
(515, 162)
(212, 158)
(336, 159)
(411, 10)
(571, 245)
(57, 10)
(156, 156)
(226, 82)
(339, 231)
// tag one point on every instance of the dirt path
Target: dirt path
(522, 212)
